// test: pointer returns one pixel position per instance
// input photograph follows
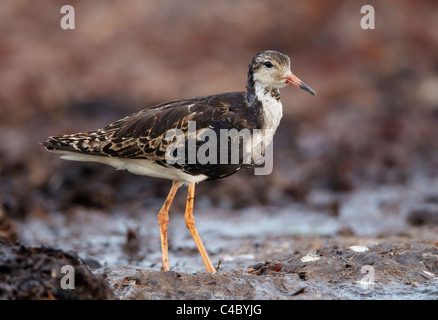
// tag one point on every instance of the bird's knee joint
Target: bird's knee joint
(190, 223)
(163, 218)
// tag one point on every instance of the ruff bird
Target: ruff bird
(140, 142)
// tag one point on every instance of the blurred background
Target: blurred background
(374, 120)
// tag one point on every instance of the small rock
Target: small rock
(310, 257)
(359, 248)
(265, 268)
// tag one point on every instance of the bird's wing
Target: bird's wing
(142, 135)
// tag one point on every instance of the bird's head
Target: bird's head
(272, 69)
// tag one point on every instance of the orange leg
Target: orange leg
(190, 222)
(163, 222)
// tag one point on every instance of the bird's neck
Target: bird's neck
(266, 100)
(258, 92)
(250, 89)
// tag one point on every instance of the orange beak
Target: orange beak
(294, 80)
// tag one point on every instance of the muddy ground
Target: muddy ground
(350, 210)
(380, 244)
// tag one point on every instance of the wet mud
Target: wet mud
(294, 252)
(404, 271)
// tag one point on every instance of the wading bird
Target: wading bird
(138, 143)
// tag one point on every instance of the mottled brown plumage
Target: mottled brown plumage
(141, 135)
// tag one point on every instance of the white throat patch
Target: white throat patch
(272, 108)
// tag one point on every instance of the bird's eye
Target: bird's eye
(268, 64)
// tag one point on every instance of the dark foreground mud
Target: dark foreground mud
(36, 273)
